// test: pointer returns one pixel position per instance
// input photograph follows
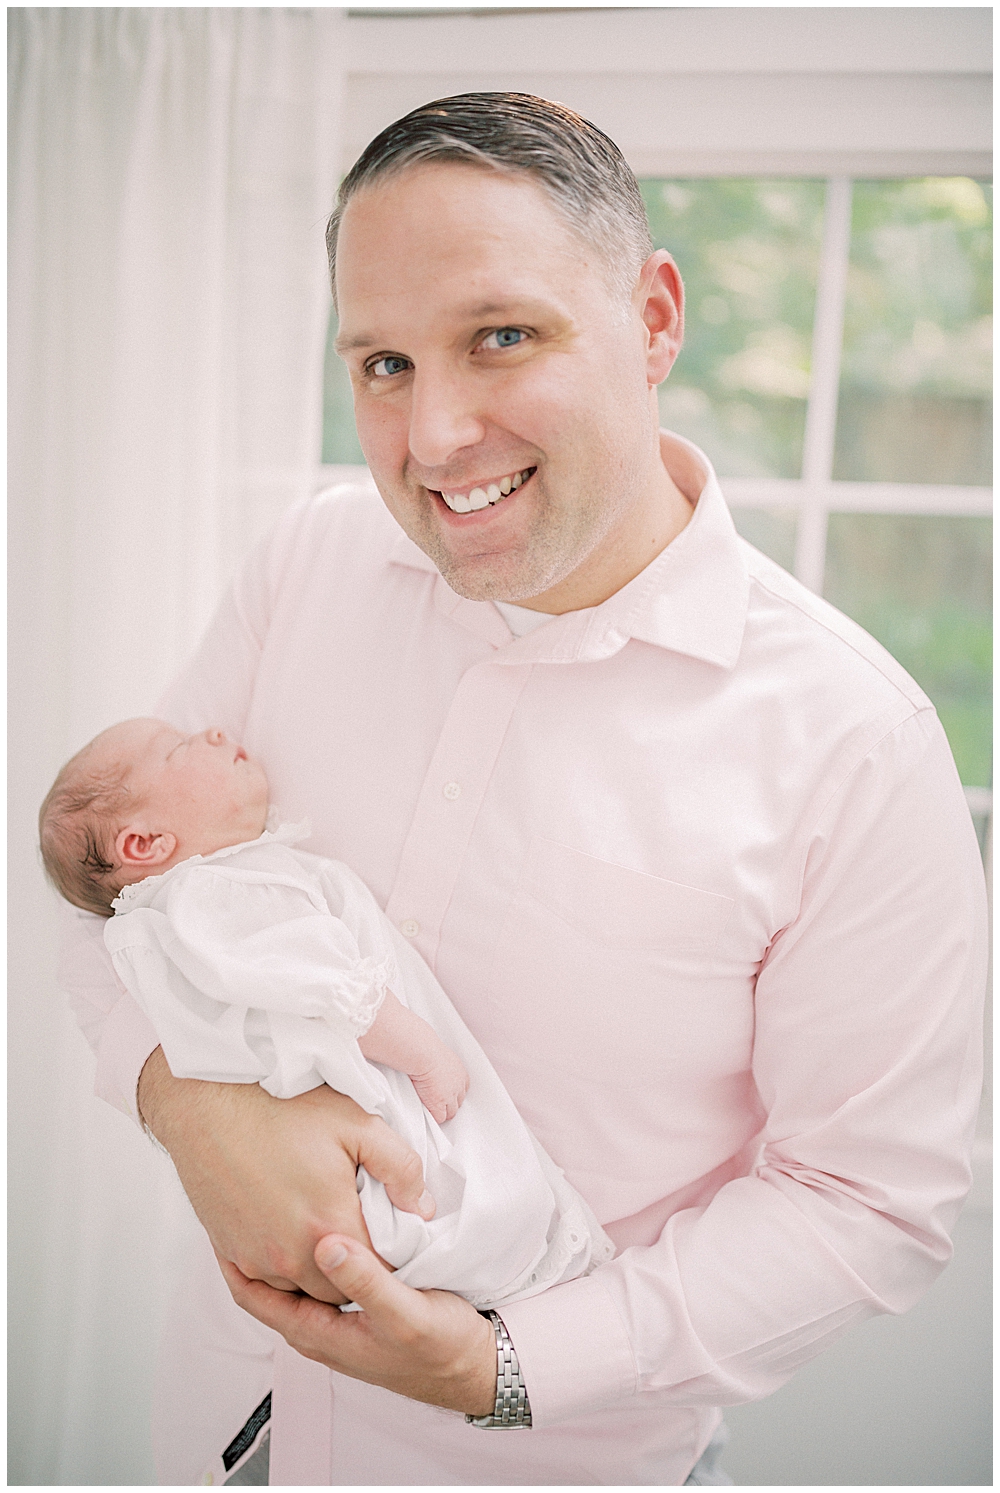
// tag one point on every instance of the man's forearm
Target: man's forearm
(159, 1095)
(268, 1177)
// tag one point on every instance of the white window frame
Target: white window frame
(816, 494)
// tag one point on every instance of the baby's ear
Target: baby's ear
(135, 848)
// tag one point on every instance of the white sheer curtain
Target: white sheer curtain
(171, 174)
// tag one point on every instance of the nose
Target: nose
(444, 417)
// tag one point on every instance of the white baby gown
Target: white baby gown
(264, 963)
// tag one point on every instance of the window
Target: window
(836, 370)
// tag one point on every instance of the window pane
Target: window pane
(340, 439)
(769, 529)
(921, 585)
(915, 379)
(749, 254)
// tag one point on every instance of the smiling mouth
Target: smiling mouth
(488, 495)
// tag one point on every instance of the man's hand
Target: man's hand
(428, 1345)
(270, 1177)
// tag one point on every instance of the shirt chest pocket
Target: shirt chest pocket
(620, 908)
(610, 975)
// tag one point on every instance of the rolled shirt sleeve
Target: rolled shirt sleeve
(867, 1059)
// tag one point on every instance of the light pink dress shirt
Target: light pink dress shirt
(696, 869)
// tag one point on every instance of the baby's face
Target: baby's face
(203, 789)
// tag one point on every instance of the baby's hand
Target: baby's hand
(442, 1084)
(402, 1040)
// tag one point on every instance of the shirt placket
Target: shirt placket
(450, 800)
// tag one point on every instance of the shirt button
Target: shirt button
(411, 927)
(451, 790)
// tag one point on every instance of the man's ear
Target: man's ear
(661, 294)
(134, 847)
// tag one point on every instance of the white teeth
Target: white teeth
(482, 497)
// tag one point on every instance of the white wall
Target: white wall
(900, 1401)
(701, 90)
(817, 91)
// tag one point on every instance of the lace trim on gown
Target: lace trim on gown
(361, 990)
(282, 834)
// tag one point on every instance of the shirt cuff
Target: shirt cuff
(127, 1039)
(574, 1353)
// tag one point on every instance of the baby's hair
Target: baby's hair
(77, 827)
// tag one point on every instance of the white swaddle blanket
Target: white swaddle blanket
(263, 963)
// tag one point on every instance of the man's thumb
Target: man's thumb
(353, 1269)
(330, 1253)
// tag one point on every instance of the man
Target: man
(684, 846)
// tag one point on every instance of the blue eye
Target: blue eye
(506, 337)
(386, 367)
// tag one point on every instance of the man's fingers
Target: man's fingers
(429, 1345)
(366, 1281)
(389, 1159)
(299, 1319)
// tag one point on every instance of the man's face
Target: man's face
(502, 395)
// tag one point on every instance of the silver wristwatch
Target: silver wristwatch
(511, 1408)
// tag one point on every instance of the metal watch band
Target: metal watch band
(511, 1408)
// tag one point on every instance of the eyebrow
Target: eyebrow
(348, 344)
(483, 309)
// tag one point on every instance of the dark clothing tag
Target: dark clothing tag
(246, 1437)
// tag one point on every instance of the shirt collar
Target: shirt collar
(691, 599)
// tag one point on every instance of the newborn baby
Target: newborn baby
(259, 962)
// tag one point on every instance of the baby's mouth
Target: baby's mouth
(488, 494)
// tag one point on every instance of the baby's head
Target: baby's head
(141, 797)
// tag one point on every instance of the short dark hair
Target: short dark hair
(77, 826)
(583, 173)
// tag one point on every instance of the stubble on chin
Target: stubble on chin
(542, 560)
(504, 577)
